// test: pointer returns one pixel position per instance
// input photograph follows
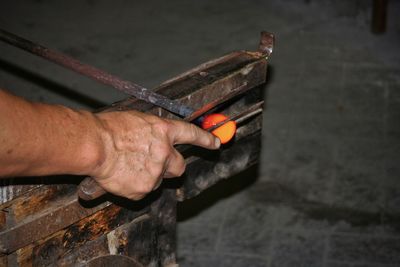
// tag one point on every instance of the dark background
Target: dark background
(326, 191)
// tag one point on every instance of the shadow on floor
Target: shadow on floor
(224, 189)
(49, 85)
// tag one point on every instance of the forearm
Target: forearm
(128, 153)
(40, 139)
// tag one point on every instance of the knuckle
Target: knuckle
(193, 131)
(161, 127)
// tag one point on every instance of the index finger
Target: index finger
(188, 133)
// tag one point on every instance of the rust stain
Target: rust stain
(3, 261)
(37, 201)
(33, 204)
(123, 241)
(3, 219)
(24, 256)
(49, 250)
(90, 228)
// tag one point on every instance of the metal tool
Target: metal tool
(240, 117)
(101, 76)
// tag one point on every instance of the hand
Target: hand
(139, 151)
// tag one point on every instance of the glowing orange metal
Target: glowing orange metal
(225, 132)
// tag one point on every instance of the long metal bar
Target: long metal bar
(242, 116)
(96, 74)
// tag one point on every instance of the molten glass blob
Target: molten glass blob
(225, 132)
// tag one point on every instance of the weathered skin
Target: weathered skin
(128, 153)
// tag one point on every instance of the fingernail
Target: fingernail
(217, 143)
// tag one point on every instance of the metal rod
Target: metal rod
(249, 115)
(96, 74)
(240, 117)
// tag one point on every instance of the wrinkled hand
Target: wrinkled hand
(139, 151)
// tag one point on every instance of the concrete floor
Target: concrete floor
(327, 190)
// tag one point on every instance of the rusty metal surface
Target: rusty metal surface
(204, 85)
(35, 215)
(78, 242)
(147, 238)
(266, 45)
(231, 94)
(9, 189)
